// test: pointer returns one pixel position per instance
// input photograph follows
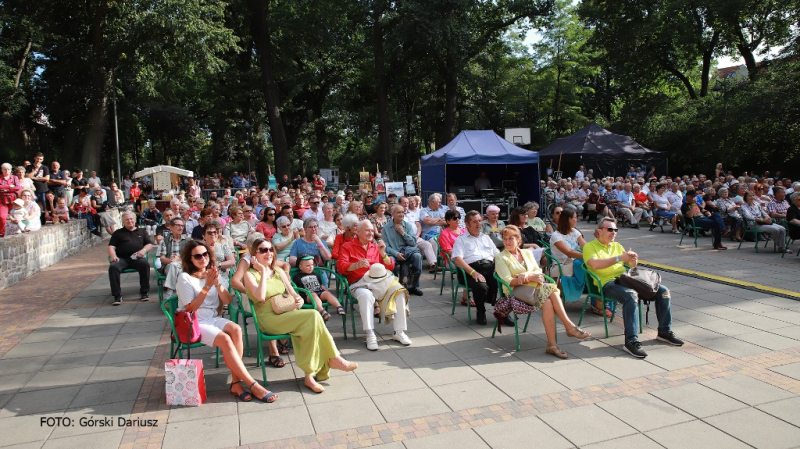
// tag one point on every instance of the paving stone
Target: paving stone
(587, 424)
(107, 392)
(26, 429)
(492, 365)
(34, 349)
(694, 434)
(95, 417)
(39, 401)
(699, 400)
(671, 359)
(792, 370)
(108, 330)
(86, 345)
(520, 432)
(577, 375)
(785, 410)
(757, 428)
(637, 441)
(120, 371)
(22, 365)
(466, 439)
(185, 433)
(115, 356)
(253, 430)
(409, 403)
(59, 378)
(436, 374)
(768, 340)
(733, 347)
(336, 388)
(623, 366)
(354, 412)
(645, 412)
(529, 383)
(385, 382)
(14, 382)
(747, 389)
(470, 394)
(42, 335)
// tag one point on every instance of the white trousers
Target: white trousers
(427, 249)
(632, 216)
(366, 304)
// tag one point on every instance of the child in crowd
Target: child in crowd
(15, 223)
(306, 278)
(61, 212)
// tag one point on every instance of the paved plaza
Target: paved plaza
(66, 352)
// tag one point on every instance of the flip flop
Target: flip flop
(556, 351)
(578, 333)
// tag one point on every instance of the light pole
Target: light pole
(247, 128)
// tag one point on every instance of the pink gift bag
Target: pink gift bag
(186, 384)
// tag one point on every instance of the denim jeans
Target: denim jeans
(715, 223)
(630, 303)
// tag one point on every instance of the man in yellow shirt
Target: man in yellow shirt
(606, 259)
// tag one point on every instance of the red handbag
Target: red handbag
(187, 327)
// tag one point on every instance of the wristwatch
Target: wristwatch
(617, 258)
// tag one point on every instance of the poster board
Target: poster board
(363, 182)
(410, 190)
(272, 183)
(396, 188)
(330, 175)
(162, 181)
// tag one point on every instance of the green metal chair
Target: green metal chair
(789, 242)
(501, 284)
(160, 278)
(169, 306)
(755, 233)
(689, 225)
(593, 291)
(235, 309)
(262, 337)
(461, 274)
(550, 261)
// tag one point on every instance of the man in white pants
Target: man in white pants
(425, 246)
(355, 259)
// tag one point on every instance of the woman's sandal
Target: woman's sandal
(599, 312)
(276, 361)
(317, 388)
(340, 310)
(283, 348)
(578, 333)
(556, 351)
(268, 398)
(325, 315)
(244, 396)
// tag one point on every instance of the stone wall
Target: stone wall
(28, 253)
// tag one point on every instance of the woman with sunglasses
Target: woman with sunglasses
(315, 351)
(267, 224)
(223, 254)
(552, 223)
(199, 291)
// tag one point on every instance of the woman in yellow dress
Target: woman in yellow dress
(516, 267)
(315, 351)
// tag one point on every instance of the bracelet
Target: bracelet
(471, 272)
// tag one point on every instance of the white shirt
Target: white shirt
(580, 175)
(310, 213)
(473, 249)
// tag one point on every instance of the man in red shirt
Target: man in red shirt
(356, 258)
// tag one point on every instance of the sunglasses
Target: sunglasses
(265, 250)
(284, 226)
(612, 229)
(212, 232)
(315, 202)
(200, 256)
(270, 215)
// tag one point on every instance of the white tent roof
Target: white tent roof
(162, 168)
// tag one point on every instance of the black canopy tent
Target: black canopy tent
(602, 151)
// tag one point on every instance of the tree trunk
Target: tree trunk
(320, 134)
(708, 53)
(447, 130)
(262, 36)
(686, 82)
(98, 104)
(382, 91)
(21, 66)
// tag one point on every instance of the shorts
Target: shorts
(209, 329)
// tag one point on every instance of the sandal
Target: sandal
(376, 310)
(244, 396)
(556, 351)
(325, 315)
(340, 310)
(283, 348)
(599, 312)
(269, 398)
(471, 302)
(276, 361)
(578, 333)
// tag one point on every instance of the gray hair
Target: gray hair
(396, 207)
(127, 212)
(309, 221)
(281, 220)
(363, 223)
(794, 196)
(722, 190)
(349, 220)
(6, 165)
(184, 206)
(602, 223)
(534, 205)
(435, 197)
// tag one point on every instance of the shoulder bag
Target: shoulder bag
(643, 280)
(282, 303)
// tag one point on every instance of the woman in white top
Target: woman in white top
(566, 243)
(662, 208)
(238, 229)
(756, 217)
(33, 214)
(199, 291)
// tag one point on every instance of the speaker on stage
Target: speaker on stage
(469, 205)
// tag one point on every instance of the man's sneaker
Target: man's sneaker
(402, 338)
(634, 348)
(669, 337)
(145, 296)
(117, 300)
(372, 342)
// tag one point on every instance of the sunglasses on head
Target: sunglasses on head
(264, 250)
(200, 256)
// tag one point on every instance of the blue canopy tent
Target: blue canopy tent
(461, 161)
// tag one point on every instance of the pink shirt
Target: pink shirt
(447, 238)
